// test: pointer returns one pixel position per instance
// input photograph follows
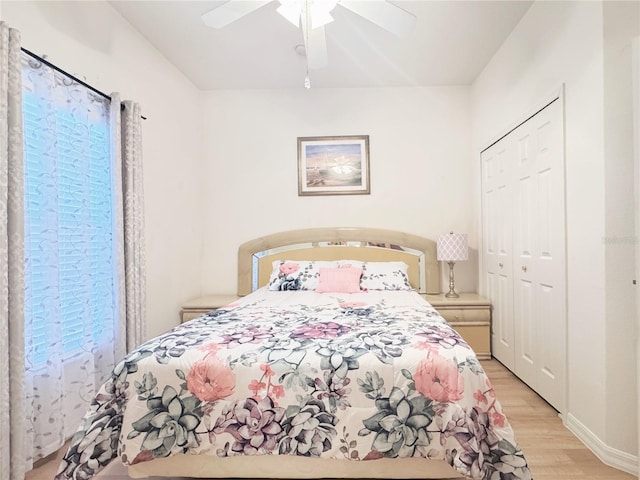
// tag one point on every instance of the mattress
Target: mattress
(364, 379)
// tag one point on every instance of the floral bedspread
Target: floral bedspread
(349, 376)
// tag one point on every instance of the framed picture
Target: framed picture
(333, 165)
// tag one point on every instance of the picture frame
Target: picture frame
(337, 165)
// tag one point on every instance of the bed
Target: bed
(329, 365)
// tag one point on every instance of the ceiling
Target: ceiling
(452, 42)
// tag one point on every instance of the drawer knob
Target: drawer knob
(500, 265)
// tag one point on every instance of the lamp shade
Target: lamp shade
(452, 247)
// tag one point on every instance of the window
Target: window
(70, 264)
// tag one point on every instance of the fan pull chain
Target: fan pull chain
(307, 80)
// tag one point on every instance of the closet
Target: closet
(523, 251)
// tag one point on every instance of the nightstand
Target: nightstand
(470, 316)
(198, 306)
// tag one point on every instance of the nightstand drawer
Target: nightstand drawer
(478, 338)
(465, 315)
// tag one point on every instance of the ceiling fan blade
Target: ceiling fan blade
(315, 44)
(231, 11)
(384, 14)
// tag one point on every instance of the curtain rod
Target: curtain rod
(72, 77)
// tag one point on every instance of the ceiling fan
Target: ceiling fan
(312, 15)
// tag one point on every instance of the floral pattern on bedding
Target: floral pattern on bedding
(358, 377)
(297, 275)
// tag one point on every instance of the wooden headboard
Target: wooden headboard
(255, 257)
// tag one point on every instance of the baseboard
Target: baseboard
(609, 456)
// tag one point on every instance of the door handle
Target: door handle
(524, 268)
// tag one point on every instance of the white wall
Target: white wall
(419, 156)
(621, 23)
(92, 41)
(562, 43)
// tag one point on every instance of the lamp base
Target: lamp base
(452, 292)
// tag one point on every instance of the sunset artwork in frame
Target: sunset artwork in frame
(333, 165)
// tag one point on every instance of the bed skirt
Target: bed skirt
(281, 466)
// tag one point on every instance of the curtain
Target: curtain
(133, 219)
(71, 291)
(45, 384)
(12, 424)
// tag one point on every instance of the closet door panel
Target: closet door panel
(500, 288)
(551, 351)
(497, 199)
(539, 257)
(498, 254)
(526, 332)
(548, 268)
(525, 247)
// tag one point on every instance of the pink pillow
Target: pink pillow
(339, 280)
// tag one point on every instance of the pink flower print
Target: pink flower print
(277, 391)
(255, 386)
(210, 348)
(480, 397)
(497, 418)
(209, 380)
(266, 368)
(438, 378)
(422, 345)
(288, 268)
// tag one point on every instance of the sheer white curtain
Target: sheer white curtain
(71, 251)
(12, 419)
(71, 295)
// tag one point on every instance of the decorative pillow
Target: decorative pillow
(339, 280)
(297, 274)
(381, 275)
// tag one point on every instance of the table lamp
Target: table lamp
(452, 248)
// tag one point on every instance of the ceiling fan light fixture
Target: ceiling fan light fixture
(311, 16)
(290, 9)
(319, 18)
(319, 10)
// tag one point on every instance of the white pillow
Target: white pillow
(381, 275)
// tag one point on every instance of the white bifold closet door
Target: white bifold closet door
(524, 251)
(498, 193)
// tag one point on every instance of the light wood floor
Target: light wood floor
(552, 451)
